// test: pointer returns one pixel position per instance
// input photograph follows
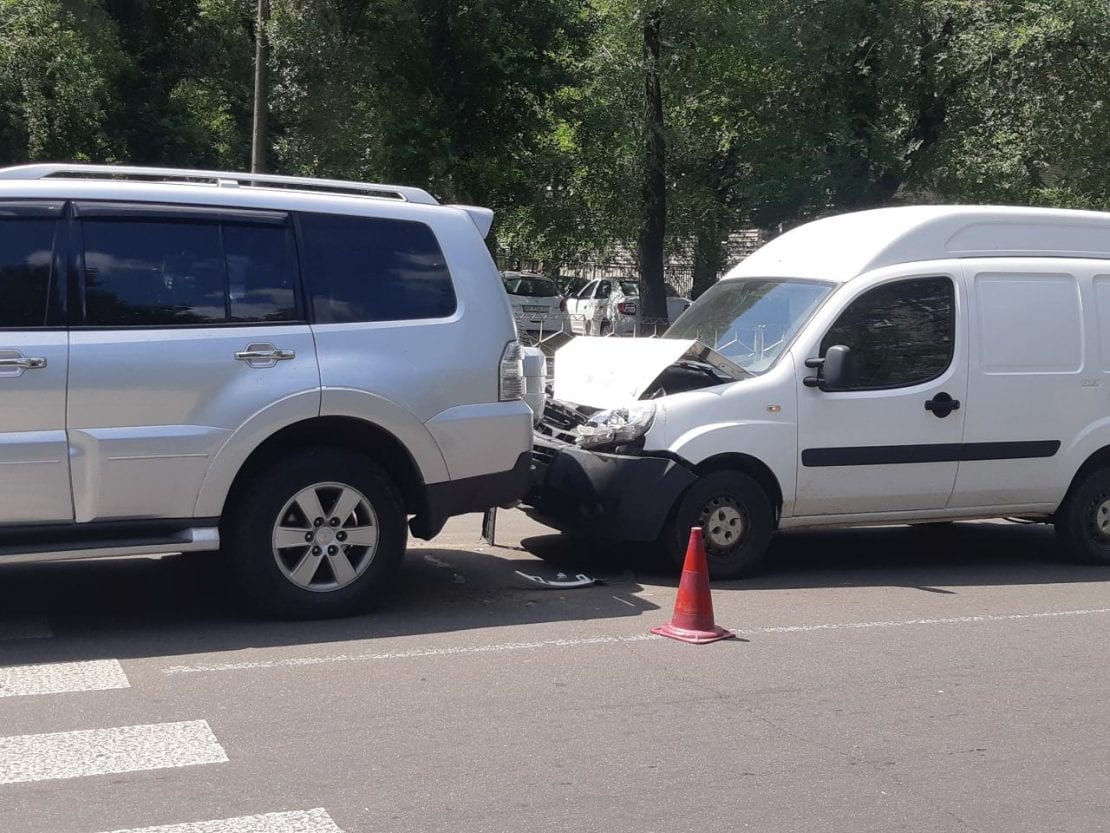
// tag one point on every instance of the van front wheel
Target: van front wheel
(1083, 520)
(736, 520)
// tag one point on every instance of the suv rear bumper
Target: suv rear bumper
(471, 494)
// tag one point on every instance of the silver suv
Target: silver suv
(296, 371)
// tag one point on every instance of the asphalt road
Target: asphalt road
(940, 679)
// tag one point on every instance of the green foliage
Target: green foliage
(774, 110)
(58, 64)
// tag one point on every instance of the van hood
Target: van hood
(609, 372)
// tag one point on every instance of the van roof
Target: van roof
(840, 248)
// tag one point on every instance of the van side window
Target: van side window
(900, 333)
(26, 271)
(374, 269)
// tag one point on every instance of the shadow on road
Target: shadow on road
(929, 557)
(187, 604)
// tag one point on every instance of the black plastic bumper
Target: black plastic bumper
(607, 496)
(471, 494)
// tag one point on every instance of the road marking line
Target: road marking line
(298, 821)
(62, 677)
(30, 627)
(292, 662)
(624, 601)
(104, 751)
(953, 620)
(416, 653)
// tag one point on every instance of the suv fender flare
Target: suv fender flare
(303, 407)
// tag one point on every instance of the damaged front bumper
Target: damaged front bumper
(608, 496)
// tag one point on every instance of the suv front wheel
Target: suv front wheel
(316, 535)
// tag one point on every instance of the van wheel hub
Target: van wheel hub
(723, 523)
(1102, 519)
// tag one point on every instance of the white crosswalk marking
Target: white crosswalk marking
(28, 627)
(306, 821)
(103, 751)
(61, 677)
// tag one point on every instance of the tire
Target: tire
(736, 502)
(1083, 519)
(317, 575)
(606, 328)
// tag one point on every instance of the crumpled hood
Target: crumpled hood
(610, 372)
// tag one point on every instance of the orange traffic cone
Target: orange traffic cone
(692, 620)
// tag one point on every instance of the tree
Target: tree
(57, 70)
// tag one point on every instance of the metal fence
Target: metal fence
(537, 328)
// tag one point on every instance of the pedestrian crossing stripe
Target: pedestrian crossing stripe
(299, 821)
(61, 678)
(103, 751)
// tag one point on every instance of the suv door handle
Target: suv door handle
(23, 363)
(273, 355)
(942, 405)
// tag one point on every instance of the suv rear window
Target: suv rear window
(374, 269)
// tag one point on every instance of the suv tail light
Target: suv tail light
(511, 383)
(627, 308)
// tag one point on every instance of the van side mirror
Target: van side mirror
(834, 371)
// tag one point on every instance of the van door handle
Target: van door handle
(942, 405)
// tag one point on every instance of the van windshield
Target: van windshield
(751, 320)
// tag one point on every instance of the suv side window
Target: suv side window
(374, 269)
(28, 285)
(604, 289)
(900, 334)
(155, 272)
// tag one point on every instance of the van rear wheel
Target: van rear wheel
(316, 535)
(1083, 520)
(736, 520)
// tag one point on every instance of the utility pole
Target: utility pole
(261, 87)
(653, 218)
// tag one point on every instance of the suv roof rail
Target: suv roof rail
(223, 179)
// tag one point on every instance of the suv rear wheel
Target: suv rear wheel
(317, 534)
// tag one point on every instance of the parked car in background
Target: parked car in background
(676, 303)
(605, 306)
(572, 286)
(538, 305)
(296, 371)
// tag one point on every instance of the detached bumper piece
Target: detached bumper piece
(608, 496)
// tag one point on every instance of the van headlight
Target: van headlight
(619, 425)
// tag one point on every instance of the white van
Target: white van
(902, 365)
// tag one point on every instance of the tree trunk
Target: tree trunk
(653, 224)
(261, 88)
(709, 256)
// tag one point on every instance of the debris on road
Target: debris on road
(560, 582)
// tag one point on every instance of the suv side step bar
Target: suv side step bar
(192, 539)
